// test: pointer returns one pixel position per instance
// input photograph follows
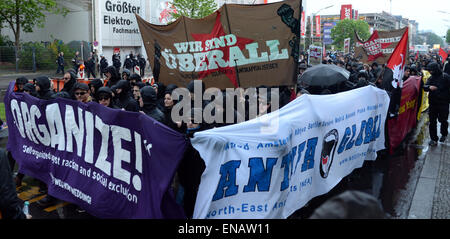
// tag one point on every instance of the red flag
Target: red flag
(397, 61)
(393, 75)
(443, 54)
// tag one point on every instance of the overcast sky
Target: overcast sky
(426, 12)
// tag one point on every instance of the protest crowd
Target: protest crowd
(121, 88)
(126, 91)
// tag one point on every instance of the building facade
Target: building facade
(378, 21)
(101, 25)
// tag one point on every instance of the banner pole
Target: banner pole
(299, 48)
(235, 61)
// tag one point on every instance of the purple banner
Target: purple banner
(112, 163)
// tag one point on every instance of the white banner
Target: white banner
(346, 46)
(273, 165)
(315, 55)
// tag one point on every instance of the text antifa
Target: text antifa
(260, 176)
(59, 135)
(209, 55)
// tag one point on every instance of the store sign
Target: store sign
(327, 26)
(317, 26)
(346, 11)
(118, 24)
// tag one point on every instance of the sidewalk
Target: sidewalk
(431, 198)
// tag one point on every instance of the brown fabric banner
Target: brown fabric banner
(260, 41)
(379, 47)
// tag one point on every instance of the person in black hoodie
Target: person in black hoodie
(90, 66)
(70, 78)
(126, 74)
(191, 166)
(134, 78)
(148, 95)
(104, 96)
(43, 88)
(103, 65)
(45, 93)
(142, 62)
(94, 85)
(112, 76)
(62, 94)
(128, 64)
(20, 83)
(160, 89)
(136, 89)
(438, 86)
(30, 89)
(116, 61)
(60, 63)
(124, 99)
(168, 105)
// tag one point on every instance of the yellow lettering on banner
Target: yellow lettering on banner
(410, 104)
(401, 110)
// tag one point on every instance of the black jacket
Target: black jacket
(116, 60)
(103, 64)
(68, 87)
(60, 61)
(96, 83)
(124, 100)
(108, 91)
(114, 76)
(142, 62)
(90, 64)
(148, 95)
(128, 63)
(10, 205)
(76, 62)
(442, 94)
(441, 81)
(45, 93)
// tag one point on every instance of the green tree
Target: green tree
(447, 37)
(193, 8)
(24, 15)
(346, 28)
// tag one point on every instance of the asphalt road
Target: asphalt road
(8, 76)
(29, 191)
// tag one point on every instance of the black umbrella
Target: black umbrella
(324, 75)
